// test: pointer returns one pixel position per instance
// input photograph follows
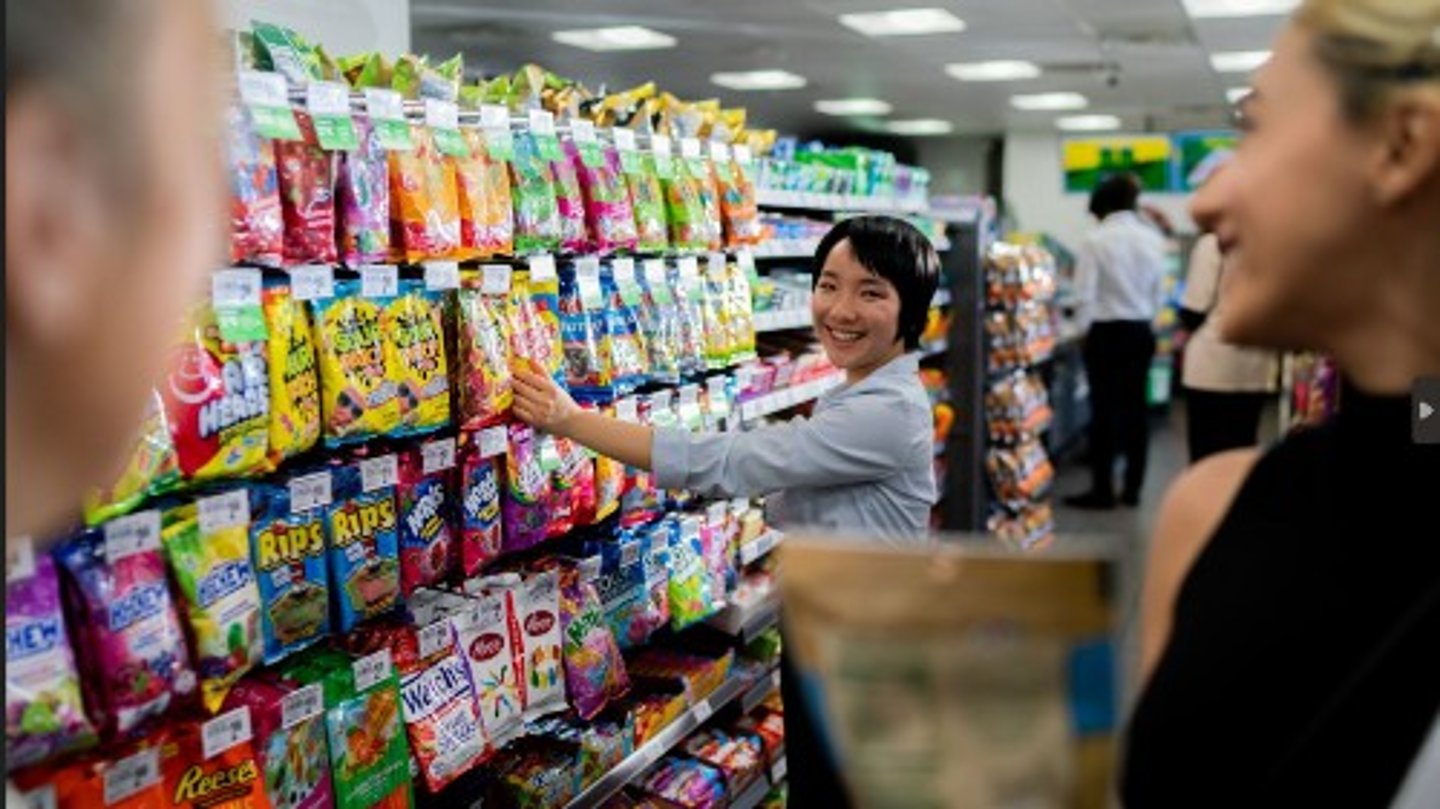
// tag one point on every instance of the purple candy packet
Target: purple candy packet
(527, 492)
(363, 194)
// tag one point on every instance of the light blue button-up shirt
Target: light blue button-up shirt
(862, 464)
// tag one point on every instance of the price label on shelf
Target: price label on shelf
(703, 711)
(655, 271)
(624, 270)
(329, 105)
(301, 704)
(312, 282)
(542, 122)
(225, 731)
(379, 280)
(495, 121)
(660, 400)
(263, 89)
(310, 491)
(624, 139)
(129, 776)
(384, 104)
(542, 268)
(719, 152)
(19, 559)
(442, 275)
(629, 553)
(495, 279)
(582, 131)
(435, 637)
(130, 535)
(42, 797)
(628, 409)
(587, 279)
(717, 513)
(371, 670)
(660, 145)
(746, 261)
(378, 473)
(494, 116)
(222, 511)
(590, 568)
(715, 267)
(743, 156)
(689, 267)
(441, 114)
(437, 455)
(235, 289)
(494, 441)
(690, 148)
(649, 754)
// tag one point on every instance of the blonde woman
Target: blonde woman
(1292, 602)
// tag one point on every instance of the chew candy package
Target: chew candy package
(489, 641)
(424, 201)
(483, 352)
(364, 550)
(561, 513)
(288, 725)
(294, 376)
(307, 196)
(487, 217)
(414, 333)
(257, 229)
(480, 521)
(534, 315)
(716, 314)
(152, 469)
(659, 317)
(537, 215)
(621, 588)
(44, 711)
(363, 198)
(608, 213)
(527, 492)
(427, 544)
(575, 478)
(287, 549)
(358, 380)
(687, 288)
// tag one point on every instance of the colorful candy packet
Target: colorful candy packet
(687, 289)
(718, 539)
(738, 209)
(128, 638)
(685, 209)
(212, 764)
(715, 311)
(288, 549)
(153, 469)
(364, 543)
(545, 342)
(692, 599)
(307, 196)
(44, 711)
(487, 217)
(588, 374)
(537, 608)
(537, 214)
(577, 466)
(288, 725)
(609, 483)
(609, 218)
(624, 340)
(527, 492)
(427, 544)
(647, 198)
(364, 198)
(357, 377)
(561, 511)
(570, 203)
(709, 190)
(742, 317)
(622, 589)
(483, 349)
(424, 201)
(207, 545)
(294, 379)
(132, 770)
(488, 634)
(656, 558)
(594, 670)
(481, 470)
(217, 402)
(414, 333)
(257, 228)
(659, 317)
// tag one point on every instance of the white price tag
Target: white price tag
(746, 260)
(660, 145)
(225, 731)
(587, 267)
(624, 270)
(742, 155)
(494, 116)
(435, 638)
(301, 704)
(624, 138)
(582, 131)
(327, 98)
(441, 275)
(590, 568)
(649, 754)
(235, 289)
(719, 152)
(441, 114)
(384, 104)
(437, 456)
(19, 559)
(495, 279)
(260, 89)
(689, 148)
(690, 396)
(660, 400)
(378, 473)
(542, 268)
(542, 122)
(628, 409)
(221, 511)
(655, 271)
(689, 270)
(379, 280)
(312, 282)
(40, 798)
(716, 267)
(372, 669)
(310, 491)
(131, 535)
(494, 441)
(629, 553)
(703, 711)
(777, 772)
(128, 776)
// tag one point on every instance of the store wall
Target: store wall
(1034, 191)
(957, 165)
(342, 26)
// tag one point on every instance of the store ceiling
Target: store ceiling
(1145, 61)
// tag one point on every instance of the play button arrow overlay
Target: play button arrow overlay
(1426, 411)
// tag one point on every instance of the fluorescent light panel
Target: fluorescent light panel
(1088, 123)
(998, 70)
(853, 106)
(903, 22)
(1238, 61)
(617, 38)
(919, 127)
(1049, 101)
(758, 80)
(1223, 9)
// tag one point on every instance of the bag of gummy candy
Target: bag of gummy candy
(687, 288)
(608, 214)
(257, 229)
(287, 722)
(577, 470)
(44, 711)
(537, 214)
(153, 469)
(488, 639)
(364, 198)
(357, 377)
(483, 340)
(647, 198)
(742, 317)
(659, 318)
(715, 311)
(655, 553)
(708, 187)
(487, 217)
(692, 599)
(561, 517)
(294, 379)
(582, 332)
(480, 524)
(287, 549)
(716, 539)
(685, 210)
(738, 205)
(609, 483)
(128, 637)
(537, 609)
(534, 315)
(594, 670)
(414, 329)
(207, 544)
(624, 340)
(427, 544)
(527, 492)
(424, 201)
(364, 550)
(570, 203)
(621, 588)
(307, 196)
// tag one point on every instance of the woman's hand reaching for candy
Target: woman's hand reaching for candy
(543, 404)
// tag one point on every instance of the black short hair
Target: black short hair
(1118, 192)
(896, 251)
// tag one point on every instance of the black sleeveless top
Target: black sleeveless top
(1303, 668)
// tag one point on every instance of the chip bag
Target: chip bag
(152, 469)
(288, 552)
(484, 338)
(414, 334)
(487, 216)
(537, 607)
(222, 602)
(427, 544)
(288, 725)
(364, 549)
(594, 670)
(527, 492)
(537, 214)
(307, 196)
(358, 380)
(480, 522)
(257, 228)
(229, 777)
(294, 379)
(424, 201)
(489, 639)
(364, 199)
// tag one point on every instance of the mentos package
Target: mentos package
(483, 351)
(364, 199)
(128, 635)
(537, 607)
(44, 713)
(288, 725)
(212, 764)
(414, 332)
(358, 380)
(481, 539)
(427, 544)
(209, 557)
(364, 550)
(287, 549)
(527, 492)
(217, 402)
(294, 379)
(621, 587)
(489, 640)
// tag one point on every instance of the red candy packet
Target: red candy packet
(257, 229)
(307, 196)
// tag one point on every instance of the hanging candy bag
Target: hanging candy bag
(624, 340)
(364, 199)
(414, 332)
(480, 524)
(287, 550)
(483, 352)
(364, 552)
(738, 206)
(594, 670)
(294, 379)
(427, 545)
(153, 469)
(537, 214)
(582, 331)
(288, 725)
(357, 380)
(527, 492)
(424, 201)
(307, 196)
(487, 219)
(257, 228)
(487, 633)
(609, 216)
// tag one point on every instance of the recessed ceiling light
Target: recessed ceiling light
(999, 70)
(1235, 94)
(1238, 61)
(853, 106)
(1088, 123)
(1219, 9)
(903, 22)
(617, 38)
(758, 80)
(1049, 101)
(919, 127)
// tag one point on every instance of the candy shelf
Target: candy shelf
(751, 797)
(789, 397)
(775, 198)
(762, 688)
(762, 545)
(746, 621)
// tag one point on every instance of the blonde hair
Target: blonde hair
(1375, 47)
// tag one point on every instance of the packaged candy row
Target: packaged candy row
(1019, 474)
(814, 167)
(1030, 527)
(1016, 274)
(1017, 406)
(1021, 337)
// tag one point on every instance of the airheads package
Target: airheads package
(364, 199)
(257, 230)
(527, 492)
(211, 565)
(128, 636)
(287, 550)
(44, 712)
(152, 469)
(288, 726)
(488, 638)
(217, 402)
(364, 550)
(414, 332)
(357, 376)
(294, 378)
(480, 523)
(483, 354)
(427, 544)
(537, 608)
(307, 196)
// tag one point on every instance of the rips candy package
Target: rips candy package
(608, 214)
(128, 635)
(483, 354)
(307, 196)
(424, 201)
(527, 492)
(152, 469)
(537, 214)
(257, 229)
(357, 378)
(294, 377)
(363, 198)
(288, 725)
(488, 634)
(414, 330)
(487, 218)
(287, 550)
(480, 523)
(537, 607)
(594, 670)
(364, 551)
(44, 711)
(427, 545)
(211, 566)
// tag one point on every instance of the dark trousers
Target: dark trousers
(1216, 422)
(1117, 363)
